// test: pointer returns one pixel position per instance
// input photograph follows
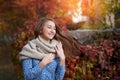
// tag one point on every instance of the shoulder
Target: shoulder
(31, 43)
(26, 59)
(56, 41)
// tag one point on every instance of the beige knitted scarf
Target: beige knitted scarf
(37, 48)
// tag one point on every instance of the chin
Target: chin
(50, 38)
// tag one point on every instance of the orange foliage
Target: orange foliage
(57, 9)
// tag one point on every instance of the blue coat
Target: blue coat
(52, 71)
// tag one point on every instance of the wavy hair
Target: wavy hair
(70, 44)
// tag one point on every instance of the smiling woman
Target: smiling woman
(49, 31)
(43, 58)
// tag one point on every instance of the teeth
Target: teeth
(51, 34)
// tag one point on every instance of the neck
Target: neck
(46, 40)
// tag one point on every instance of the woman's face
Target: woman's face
(49, 30)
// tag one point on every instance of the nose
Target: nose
(53, 30)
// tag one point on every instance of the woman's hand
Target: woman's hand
(60, 53)
(47, 59)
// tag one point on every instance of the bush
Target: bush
(97, 61)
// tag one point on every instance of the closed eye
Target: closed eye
(50, 27)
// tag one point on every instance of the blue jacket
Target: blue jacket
(52, 71)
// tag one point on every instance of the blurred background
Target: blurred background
(18, 18)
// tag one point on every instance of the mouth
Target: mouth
(51, 35)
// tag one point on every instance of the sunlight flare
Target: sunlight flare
(77, 15)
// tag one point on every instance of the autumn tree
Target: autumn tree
(101, 12)
(60, 10)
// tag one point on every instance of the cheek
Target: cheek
(55, 32)
(45, 30)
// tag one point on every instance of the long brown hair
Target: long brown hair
(70, 45)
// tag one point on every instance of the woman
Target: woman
(43, 57)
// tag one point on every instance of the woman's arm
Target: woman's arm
(61, 66)
(47, 59)
(60, 53)
(29, 71)
(60, 71)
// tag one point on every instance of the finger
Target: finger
(56, 47)
(60, 44)
(52, 56)
(48, 56)
(51, 60)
